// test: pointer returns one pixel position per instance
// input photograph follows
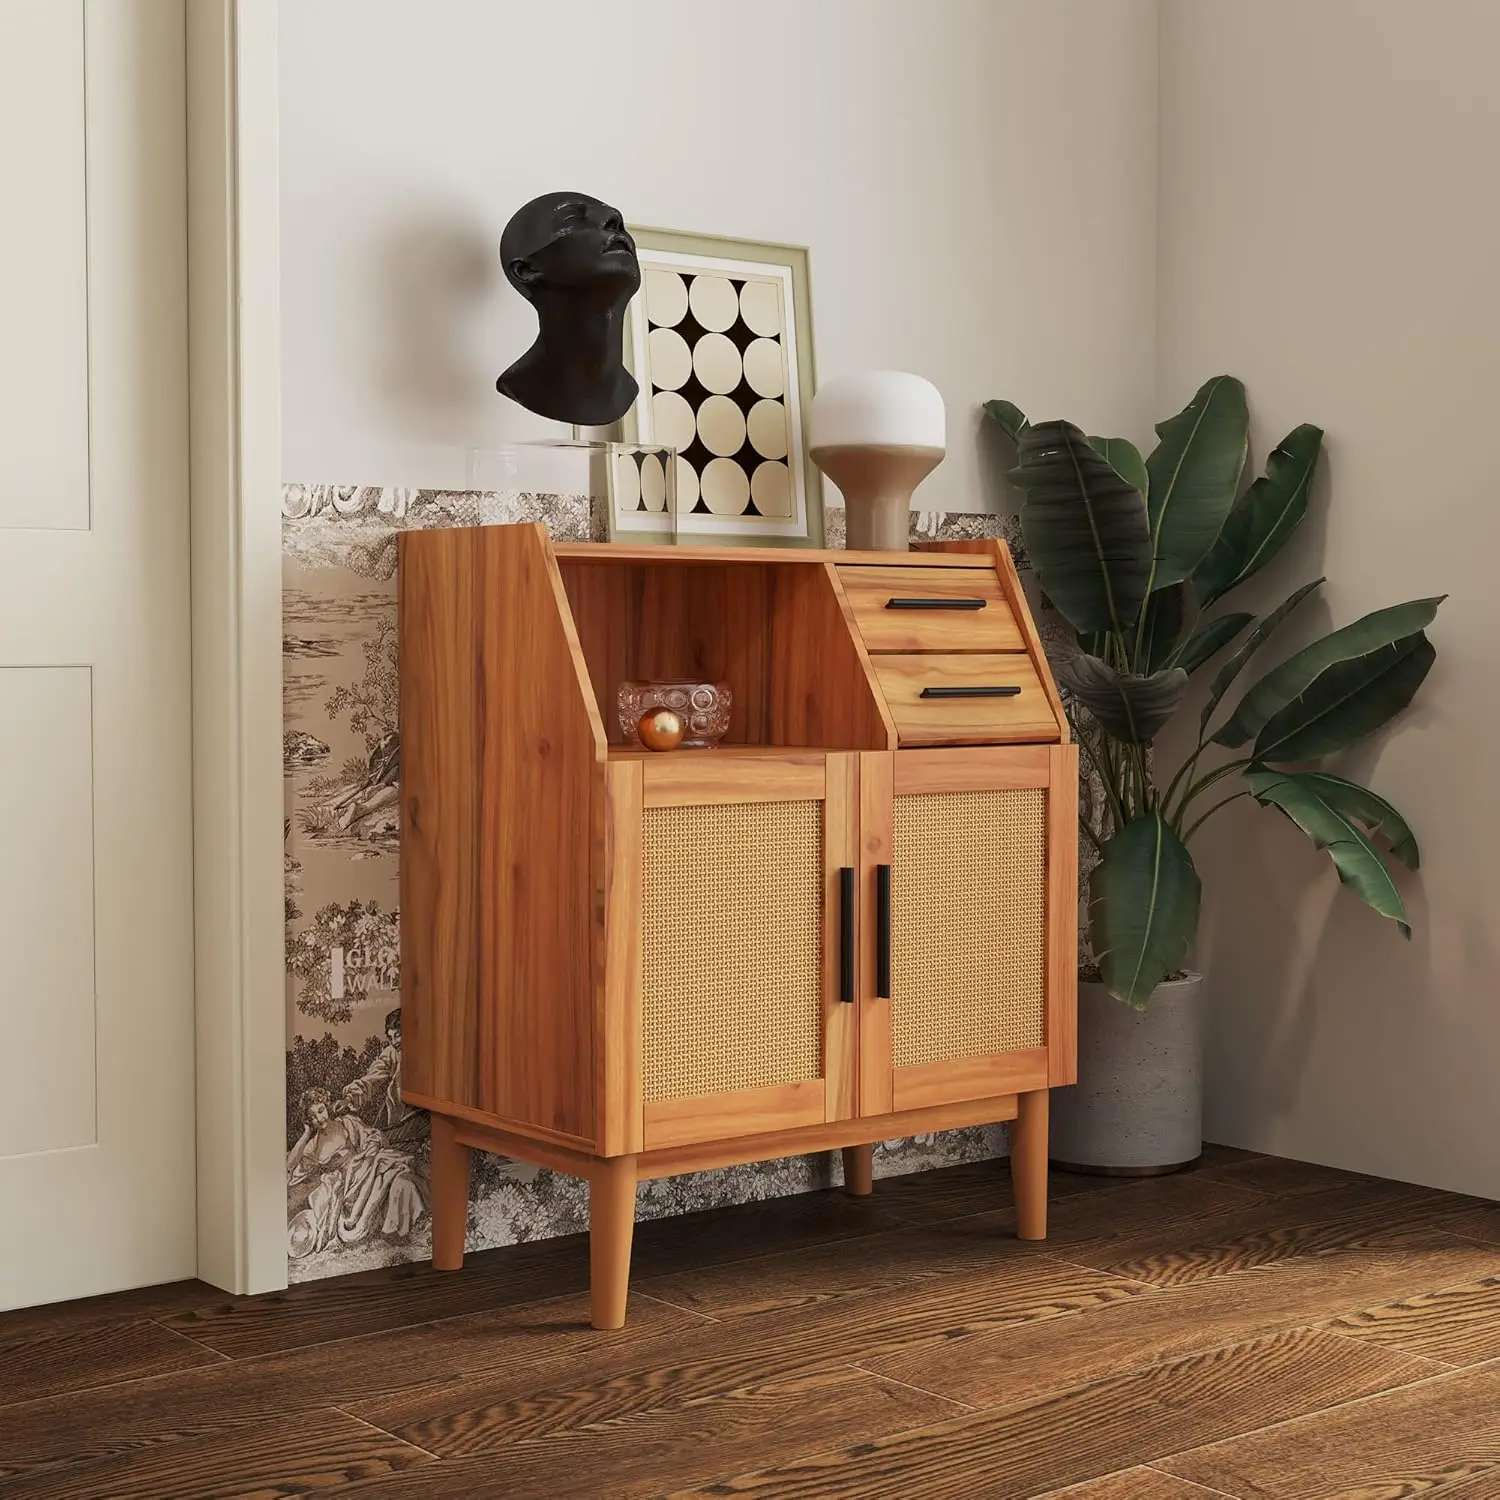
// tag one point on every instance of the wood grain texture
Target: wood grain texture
(618, 1027)
(1458, 1324)
(497, 796)
(297, 1454)
(746, 1112)
(822, 690)
(926, 1084)
(1133, 1484)
(639, 1457)
(1191, 1227)
(611, 1231)
(1020, 1363)
(870, 591)
(1028, 1163)
(541, 738)
(884, 1264)
(46, 1364)
(1026, 718)
(840, 1021)
(440, 740)
(859, 1171)
(641, 1384)
(450, 1194)
(1407, 1442)
(1039, 1373)
(1010, 585)
(876, 819)
(611, 554)
(688, 778)
(831, 1136)
(1060, 1439)
(506, 1133)
(1062, 915)
(976, 770)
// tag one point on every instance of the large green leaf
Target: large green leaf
(1007, 416)
(1128, 707)
(1251, 644)
(1359, 803)
(1263, 517)
(1291, 679)
(1347, 701)
(1357, 860)
(1143, 908)
(1084, 527)
(1209, 639)
(1161, 628)
(1194, 474)
(1124, 458)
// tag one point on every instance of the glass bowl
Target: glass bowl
(704, 707)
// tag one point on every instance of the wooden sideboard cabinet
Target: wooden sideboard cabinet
(854, 920)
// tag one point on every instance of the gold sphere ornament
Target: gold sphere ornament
(661, 729)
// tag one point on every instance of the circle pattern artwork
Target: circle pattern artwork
(766, 429)
(653, 483)
(673, 420)
(717, 359)
(725, 489)
(771, 490)
(713, 301)
(671, 359)
(763, 370)
(760, 307)
(666, 298)
(721, 425)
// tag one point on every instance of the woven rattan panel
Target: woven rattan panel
(968, 924)
(731, 947)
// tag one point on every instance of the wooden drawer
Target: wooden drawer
(1020, 718)
(909, 625)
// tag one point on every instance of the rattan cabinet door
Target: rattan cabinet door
(742, 1023)
(969, 922)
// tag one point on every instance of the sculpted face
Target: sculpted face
(570, 242)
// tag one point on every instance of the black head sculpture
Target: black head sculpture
(569, 256)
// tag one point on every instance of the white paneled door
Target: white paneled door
(96, 1000)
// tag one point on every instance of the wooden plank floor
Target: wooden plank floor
(1254, 1328)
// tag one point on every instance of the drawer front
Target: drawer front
(931, 609)
(955, 709)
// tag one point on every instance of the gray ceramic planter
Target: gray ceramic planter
(1137, 1108)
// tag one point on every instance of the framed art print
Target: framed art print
(720, 339)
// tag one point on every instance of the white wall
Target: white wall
(1330, 231)
(976, 179)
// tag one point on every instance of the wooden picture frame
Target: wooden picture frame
(730, 390)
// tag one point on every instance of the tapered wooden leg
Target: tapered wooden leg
(859, 1171)
(611, 1226)
(1028, 1165)
(450, 1195)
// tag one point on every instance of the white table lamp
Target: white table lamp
(877, 435)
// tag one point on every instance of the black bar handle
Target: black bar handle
(936, 603)
(883, 931)
(970, 692)
(846, 934)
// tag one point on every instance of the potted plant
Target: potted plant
(1136, 555)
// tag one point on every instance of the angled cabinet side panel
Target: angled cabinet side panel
(439, 788)
(540, 740)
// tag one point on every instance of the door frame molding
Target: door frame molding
(234, 251)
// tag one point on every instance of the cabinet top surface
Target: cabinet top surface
(613, 552)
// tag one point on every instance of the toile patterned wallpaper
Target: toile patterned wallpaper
(357, 1157)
